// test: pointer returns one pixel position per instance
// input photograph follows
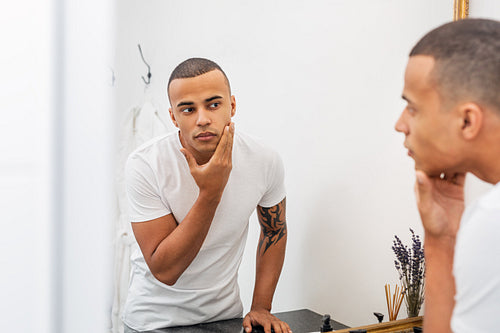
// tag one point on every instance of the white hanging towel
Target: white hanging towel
(140, 124)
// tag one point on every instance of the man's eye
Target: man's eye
(410, 109)
(214, 105)
(187, 110)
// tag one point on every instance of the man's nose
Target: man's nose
(204, 117)
(401, 125)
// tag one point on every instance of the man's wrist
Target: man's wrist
(439, 247)
(210, 197)
(443, 242)
(255, 307)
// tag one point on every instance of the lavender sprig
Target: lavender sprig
(410, 264)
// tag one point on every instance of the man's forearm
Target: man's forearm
(176, 251)
(270, 253)
(440, 283)
(268, 270)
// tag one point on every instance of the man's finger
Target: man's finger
(458, 178)
(422, 187)
(281, 327)
(228, 153)
(221, 146)
(247, 324)
(191, 161)
(227, 137)
(277, 327)
(285, 328)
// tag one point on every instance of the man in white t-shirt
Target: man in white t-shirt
(191, 194)
(452, 126)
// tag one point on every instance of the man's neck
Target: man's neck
(486, 156)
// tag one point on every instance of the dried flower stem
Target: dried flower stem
(410, 263)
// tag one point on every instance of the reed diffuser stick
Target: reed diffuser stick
(388, 299)
(394, 304)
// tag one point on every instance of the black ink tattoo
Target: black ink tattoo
(273, 223)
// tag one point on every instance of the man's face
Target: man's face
(201, 107)
(428, 127)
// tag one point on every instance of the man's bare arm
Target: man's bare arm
(440, 203)
(270, 257)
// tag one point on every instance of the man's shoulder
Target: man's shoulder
(482, 218)
(159, 143)
(252, 145)
(491, 200)
(157, 150)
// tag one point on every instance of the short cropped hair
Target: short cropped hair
(467, 60)
(193, 67)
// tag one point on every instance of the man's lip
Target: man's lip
(204, 134)
(410, 152)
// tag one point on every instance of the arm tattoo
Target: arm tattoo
(273, 224)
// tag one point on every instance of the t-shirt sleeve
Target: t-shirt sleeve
(477, 271)
(275, 192)
(143, 196)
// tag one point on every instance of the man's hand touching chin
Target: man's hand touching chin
(212, 177)
(440, 201)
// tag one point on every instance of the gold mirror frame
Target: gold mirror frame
(460, 9)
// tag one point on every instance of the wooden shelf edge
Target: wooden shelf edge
(390, 326)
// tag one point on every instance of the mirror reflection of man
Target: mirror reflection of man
(191, 194)
(452, 126)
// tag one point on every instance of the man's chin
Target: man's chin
(206, 150)
(435, 173)
(428, 171)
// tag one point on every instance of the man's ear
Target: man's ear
(471, 116)
(172, 117)
(233, 105)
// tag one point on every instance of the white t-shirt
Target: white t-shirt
(477, 267)
(159, 183)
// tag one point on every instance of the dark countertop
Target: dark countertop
(300, 321)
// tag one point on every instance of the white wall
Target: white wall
(56, 142)
(86, 152)
(25, 166)
(320, 81)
